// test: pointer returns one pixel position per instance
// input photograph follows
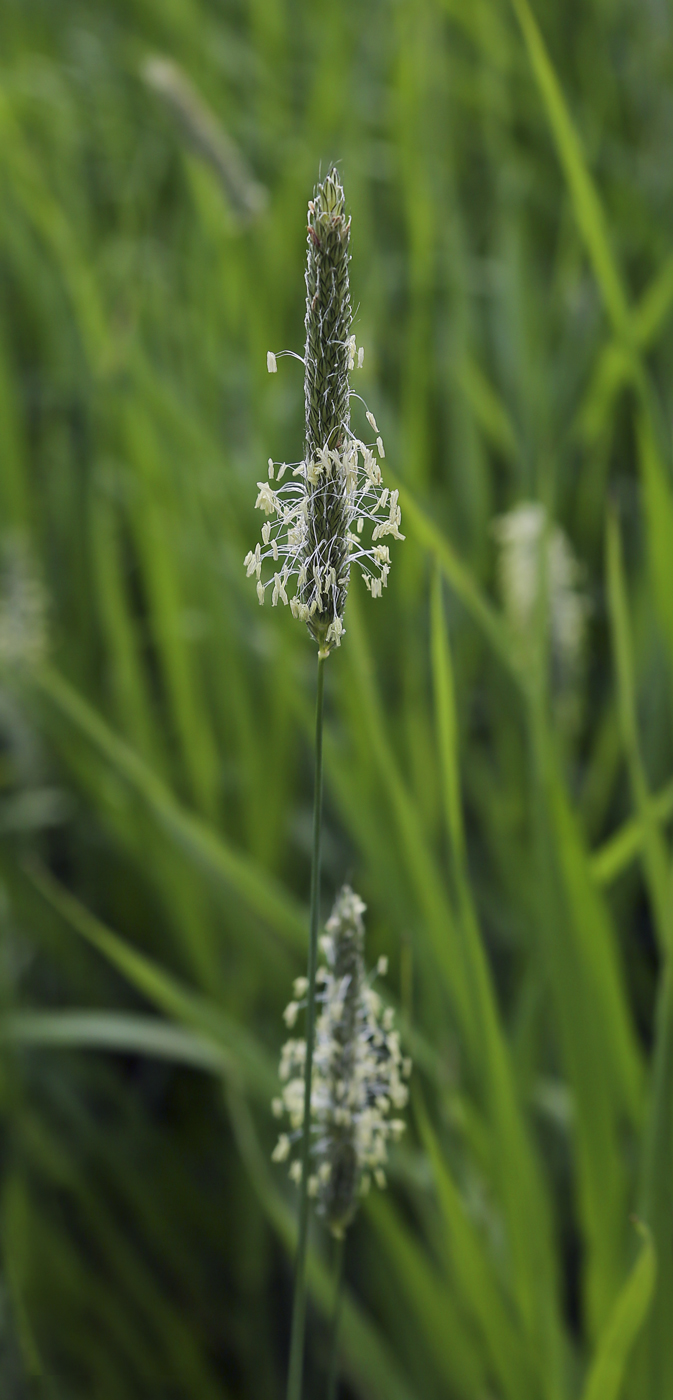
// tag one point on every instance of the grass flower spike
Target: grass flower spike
(359, 1074)
(316, 517)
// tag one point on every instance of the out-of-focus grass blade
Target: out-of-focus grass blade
(442, 1326)
(259, 890)
(592, 225)
(658, 503)
(477, 1284)
(14, 485)
(121, 1031)
(162, 988)
(152, 515)
(606, 1374)
(599, 1049)
(617, 853)
(366, 1358)
(586, 203)
(52, 226)
(151, 1320)
(596, 944)
(445, 709)
(489, 409)
(655, 306)
(614, 368)
(129, 693)
(459, 577)
(655, 855)
(655, 1200)
(425, 879)
(533, 1282)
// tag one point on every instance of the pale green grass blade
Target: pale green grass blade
(443, 1329)
(658, 509)
(618, 852)
(586, 203)
(606, 1375)
(431, 896)
(476, 1279)
(654, 1370)
(445, 709)
(124, 1032)
(595, 941)
(459, 577)
(533, 1283)
(655, 307)
(656, 858)
(599, 1051)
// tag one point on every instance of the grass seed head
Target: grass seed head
(358, 1079)
(315, 518)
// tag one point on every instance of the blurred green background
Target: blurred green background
(509, 178)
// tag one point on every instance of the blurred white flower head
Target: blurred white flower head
(23, 611)
(527, 546)
(359, 1074)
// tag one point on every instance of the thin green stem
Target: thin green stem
(656, 1354)
(294, 1379)
(333, 1373)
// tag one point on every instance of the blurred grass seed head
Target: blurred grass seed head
(358, 1073)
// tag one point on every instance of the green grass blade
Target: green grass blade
(459, 577)
(655, 855)
(655, 1204)
(618, 852)
(123, 1032)
(586, 203)
(658, 505)
(476, 1279)
(367, 1359)
(162, 988)
(606, 1374)
(226, 866)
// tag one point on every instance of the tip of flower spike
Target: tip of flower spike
(271, 362)
(330, 193)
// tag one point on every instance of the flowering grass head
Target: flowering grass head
(315, 526)
(359, 1074)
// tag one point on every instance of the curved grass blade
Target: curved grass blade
(232, 868)
(244, 1058)
(606, 1374)
(124, 1032)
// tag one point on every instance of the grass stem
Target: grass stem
(333, 1373)
(295, 1371)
